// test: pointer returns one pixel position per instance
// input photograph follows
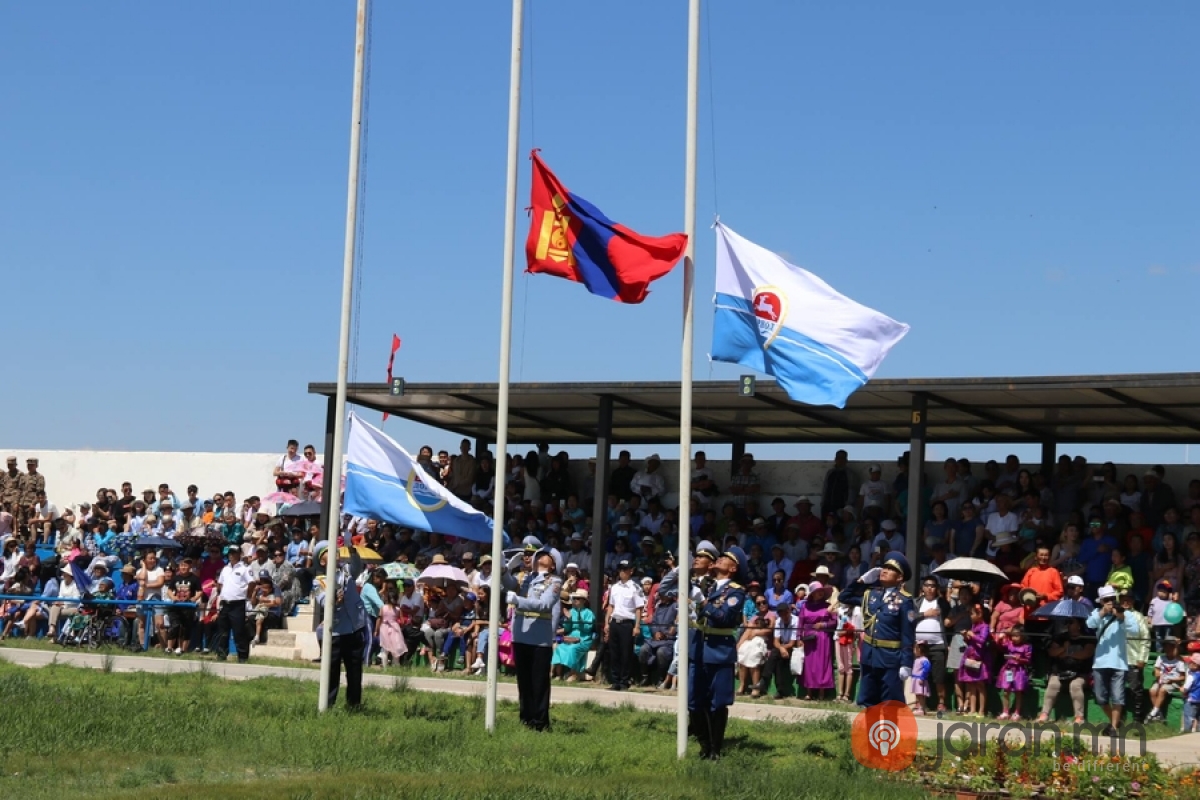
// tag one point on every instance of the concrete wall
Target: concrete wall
(72, 476)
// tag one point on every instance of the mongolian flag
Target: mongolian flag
(571, 238)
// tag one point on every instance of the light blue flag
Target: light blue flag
(384, 482)
(776, 318)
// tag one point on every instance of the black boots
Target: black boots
(716, 726)
(709, 730)
(698, 727)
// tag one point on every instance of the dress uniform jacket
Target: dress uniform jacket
(889, 632)
(718, 617)
(538, 608)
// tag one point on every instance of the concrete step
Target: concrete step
(281, 638)
(273, 651)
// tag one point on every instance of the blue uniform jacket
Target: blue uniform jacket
(718, 616)
(890, 619)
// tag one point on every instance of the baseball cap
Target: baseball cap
(1075, 580)
(472, 596)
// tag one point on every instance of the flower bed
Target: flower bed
(1074, 772)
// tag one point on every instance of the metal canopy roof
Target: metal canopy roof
(1107, 409)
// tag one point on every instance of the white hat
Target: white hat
(572, 565)
(874, 468)
(888, 525)
(831, 549)
(654, 457)
(1106, 591)
(1003, 539)
(1075, 580)
(823, 570)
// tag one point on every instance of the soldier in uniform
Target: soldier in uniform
(32, 483)
(889, 629)
(10, 492)
(349, 623)
(537, 610)
(719, 600)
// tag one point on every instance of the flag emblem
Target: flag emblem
(770, 311)
(420, 495)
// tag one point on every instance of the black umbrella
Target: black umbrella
(308, 508)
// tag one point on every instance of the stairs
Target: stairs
(297, 643)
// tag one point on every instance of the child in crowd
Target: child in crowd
(918, 683)
(1169, 674)
(973, 672)
(1157, 612)
(846, 640)
(1013, 678)
(1191, 705)
(669, 682)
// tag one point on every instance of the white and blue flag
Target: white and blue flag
(782, 320)
(384, 482)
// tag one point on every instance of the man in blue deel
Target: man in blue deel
(718, 600)
(889, 629)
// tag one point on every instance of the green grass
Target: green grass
(70, 732)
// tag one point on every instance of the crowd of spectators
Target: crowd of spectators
(1080, 532)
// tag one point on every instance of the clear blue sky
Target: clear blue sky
(1017, 182)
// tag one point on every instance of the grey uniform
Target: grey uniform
(537, 610)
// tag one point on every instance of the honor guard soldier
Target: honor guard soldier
(536, 613)
(889, 629)
(713, 647)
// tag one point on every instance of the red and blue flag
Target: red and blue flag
(571, 238)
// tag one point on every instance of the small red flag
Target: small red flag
(391, 360)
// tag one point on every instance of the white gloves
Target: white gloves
(511, 598)
(905, 673)
(514, 563)
(871, 575)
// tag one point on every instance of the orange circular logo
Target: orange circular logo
(884, 736)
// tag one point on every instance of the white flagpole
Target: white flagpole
(333, 482)
(506, 296)
(685, 386)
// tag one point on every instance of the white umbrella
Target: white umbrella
(970, 569)
(441, 574)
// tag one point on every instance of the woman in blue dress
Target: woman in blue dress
(578, 631)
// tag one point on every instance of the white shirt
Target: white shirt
(648, 484)
(785, 632)
(626, 597)
(46, 509)
(234, 581)
(289, 463)
(416, 603)
(1009, 523)
(874, 493)
(929, 629)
